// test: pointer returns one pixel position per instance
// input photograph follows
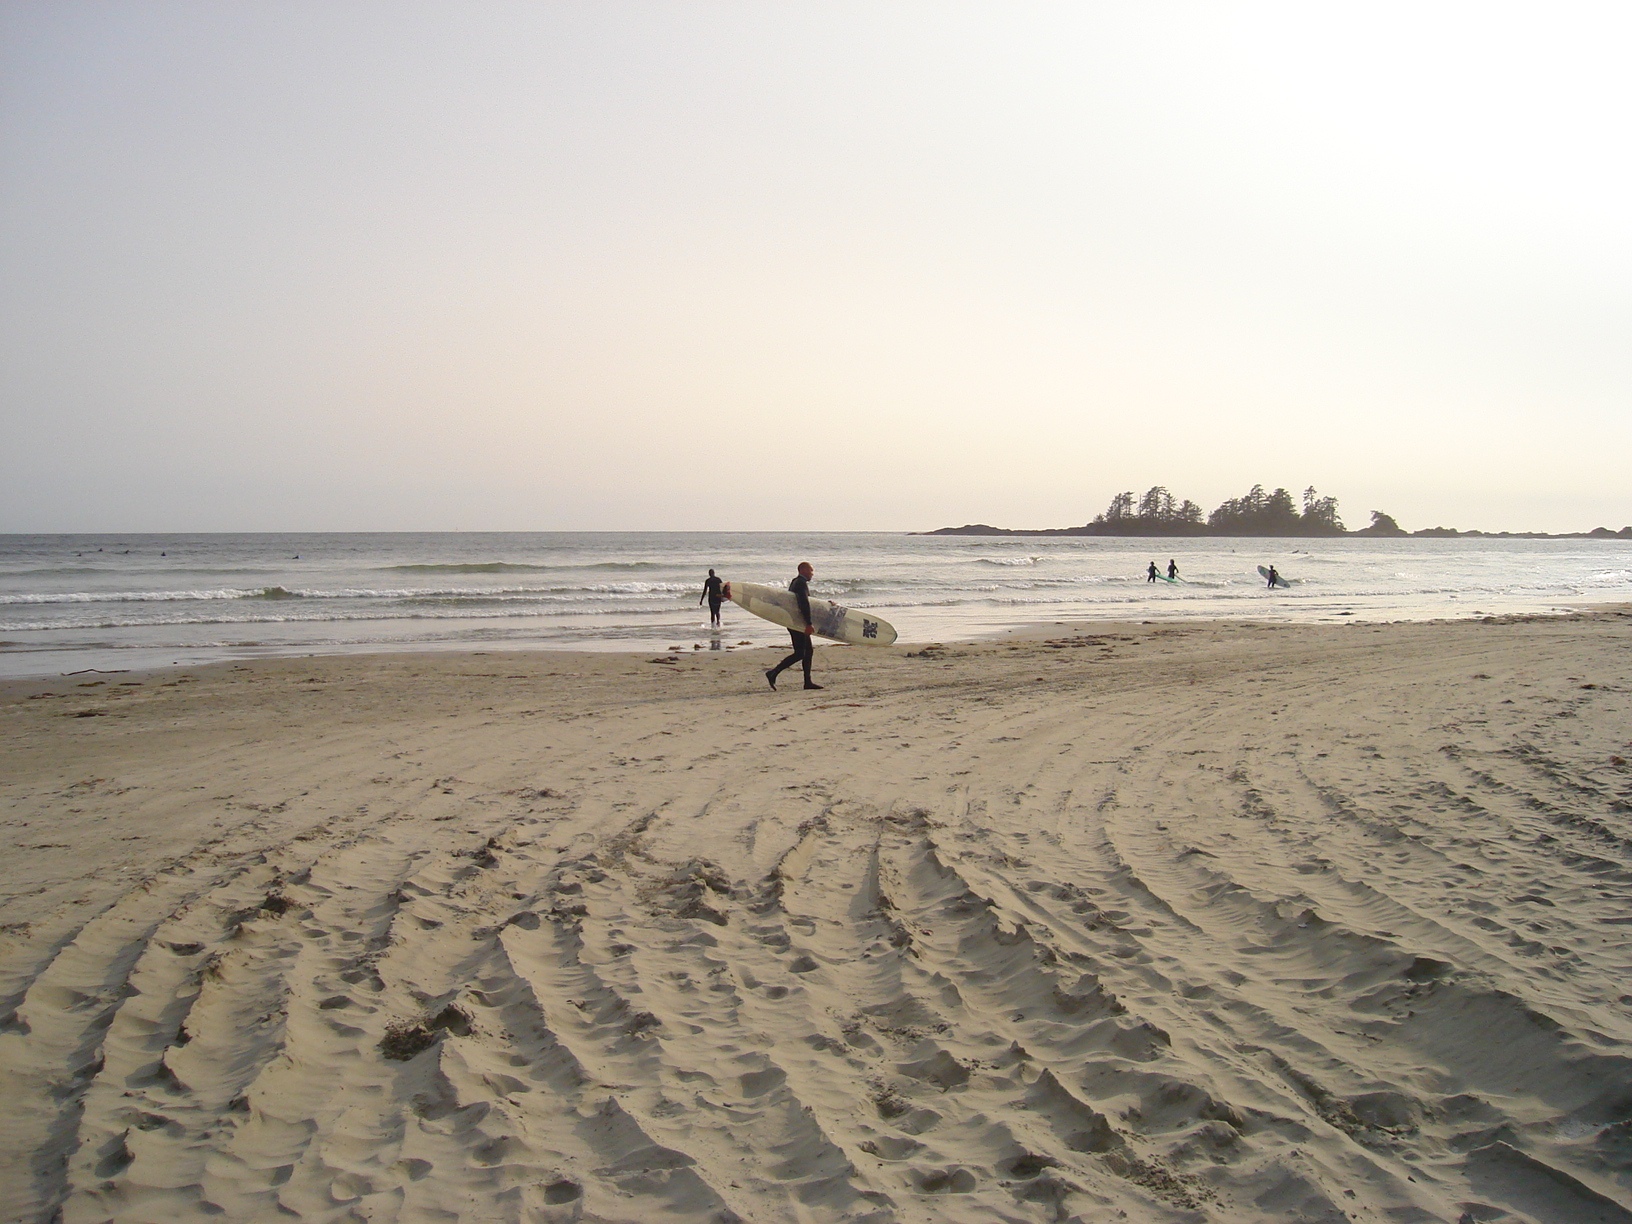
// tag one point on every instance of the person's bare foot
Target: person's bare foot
(808, 685)
(770, 677)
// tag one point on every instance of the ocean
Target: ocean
(73, 603)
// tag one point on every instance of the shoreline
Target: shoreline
(21, 662)
(729, 641)
(1188, 920)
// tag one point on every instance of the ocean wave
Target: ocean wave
(895, 606)
(105, 570)
(542, 593)
(564, 591)
(119, 597)
(313, 616)
(115, 597)
(516, 567)
(609, 600)
(468, 567)
(1008, 560)
(56, 571)
(520, 593)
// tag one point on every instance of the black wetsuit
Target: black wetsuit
(804, 650)
(712, 591)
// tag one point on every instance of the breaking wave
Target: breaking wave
(513, 567)
(468, 567)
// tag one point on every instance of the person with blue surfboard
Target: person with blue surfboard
(804, 649)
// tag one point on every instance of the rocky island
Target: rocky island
(1256, 513)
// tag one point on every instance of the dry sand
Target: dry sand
(1212, 922)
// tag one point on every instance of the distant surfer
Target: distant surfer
(1172, 570)
(803, 649)
(1151, 575)
(713, 592)
(1273, 577)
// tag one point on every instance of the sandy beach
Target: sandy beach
(1180, 922)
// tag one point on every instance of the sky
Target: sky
(422, 265)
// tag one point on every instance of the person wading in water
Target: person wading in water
(712, 592)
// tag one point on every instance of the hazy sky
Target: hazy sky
(768, 264)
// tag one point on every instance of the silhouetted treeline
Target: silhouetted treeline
(1255, 513)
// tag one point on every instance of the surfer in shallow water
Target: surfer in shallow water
(713, 592)
(803, 649)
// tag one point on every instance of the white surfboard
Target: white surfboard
(827, 618)
(1279, 580)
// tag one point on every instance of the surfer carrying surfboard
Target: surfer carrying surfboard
(1150, 574)
(804, 650)
(1273, 577)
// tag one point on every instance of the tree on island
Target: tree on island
(1320, 514)
(1382, 525)
(1156, 513)
(1255, 513)
(1273, 514)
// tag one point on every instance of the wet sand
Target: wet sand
(1147, 923)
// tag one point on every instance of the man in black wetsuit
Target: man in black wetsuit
(803, 650)
(715, 597)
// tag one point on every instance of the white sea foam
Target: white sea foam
(113, 597)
